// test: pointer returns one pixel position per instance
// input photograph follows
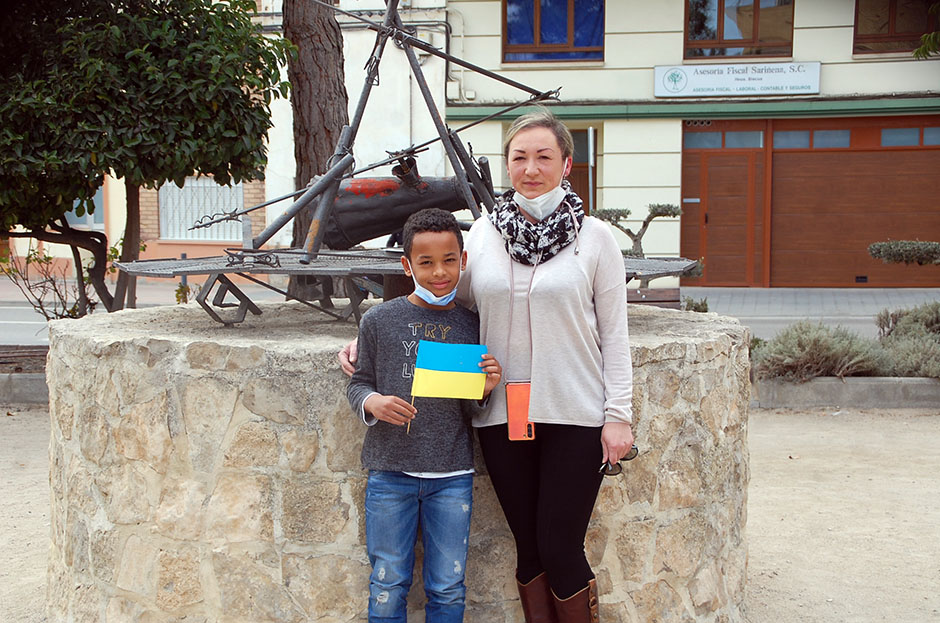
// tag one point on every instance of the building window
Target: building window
(180, 208)
(830, 139)
(900, 137)
(739, 28)
(93, 221)
(932, 136)
(553, 30)
(891, 25)
(727, 140)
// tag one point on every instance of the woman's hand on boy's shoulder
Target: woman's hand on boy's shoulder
(494, 373)
(347, 357)
(391, 409)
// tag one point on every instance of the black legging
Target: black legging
(547, 488)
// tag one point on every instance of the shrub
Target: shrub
(690, 304)
(805, 350)
(911, 356)
(921, 321)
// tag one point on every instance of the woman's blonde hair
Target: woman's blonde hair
(541, 118)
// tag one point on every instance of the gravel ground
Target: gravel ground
(843, 515)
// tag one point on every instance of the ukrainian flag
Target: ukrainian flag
(448, 371)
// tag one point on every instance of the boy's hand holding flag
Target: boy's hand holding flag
(454, 371)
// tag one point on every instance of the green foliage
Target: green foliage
(756, 344)
(183, 292)
(911, 356)
(930, 42)
(906, 251)
(664, 209)
(153, 90)
(922, 321)
(612, 215)
(690, 304)
(805, 350)
(908, 345)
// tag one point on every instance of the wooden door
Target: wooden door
(721, 195)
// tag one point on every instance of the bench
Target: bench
(659, 297)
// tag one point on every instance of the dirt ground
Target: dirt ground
(843, 515)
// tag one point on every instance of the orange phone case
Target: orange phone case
(517, 409)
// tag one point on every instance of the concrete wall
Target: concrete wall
(211, 473)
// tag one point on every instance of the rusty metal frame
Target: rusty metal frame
(354, 268)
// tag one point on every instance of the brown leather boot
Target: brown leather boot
(538, 603)
(580, 607)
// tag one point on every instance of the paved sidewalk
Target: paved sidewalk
(768, 310)
(765, 310)
(20, 324)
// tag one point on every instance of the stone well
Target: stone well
(204, 473)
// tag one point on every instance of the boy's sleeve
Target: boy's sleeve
(363, 383)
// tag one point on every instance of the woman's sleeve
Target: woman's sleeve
(610, 306)
(363, 382)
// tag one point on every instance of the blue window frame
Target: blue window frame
(553, 30)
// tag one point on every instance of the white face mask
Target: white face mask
(543, 205)
(428, 297)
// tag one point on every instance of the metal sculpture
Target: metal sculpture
(348, 209)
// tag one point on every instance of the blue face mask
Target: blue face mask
(428, 297)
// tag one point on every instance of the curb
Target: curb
(857, 392)
(23, 388)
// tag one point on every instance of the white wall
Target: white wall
(641, 35)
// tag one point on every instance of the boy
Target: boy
(420, 468)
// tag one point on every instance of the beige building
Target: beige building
(793, 133)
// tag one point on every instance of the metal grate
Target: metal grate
(180, 208)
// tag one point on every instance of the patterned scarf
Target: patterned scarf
(532, 243)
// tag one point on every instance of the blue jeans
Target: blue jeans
(395, 504)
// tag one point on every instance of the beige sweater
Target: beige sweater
(580, 364)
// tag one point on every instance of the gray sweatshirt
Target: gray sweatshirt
(440, 438)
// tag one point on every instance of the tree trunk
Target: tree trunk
(95, 242)
(318, 100)
(83, 304)
(130, 249)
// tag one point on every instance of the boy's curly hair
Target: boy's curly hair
(430, 219)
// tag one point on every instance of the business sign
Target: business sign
(737, 80)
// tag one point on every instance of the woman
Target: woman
(550, 287)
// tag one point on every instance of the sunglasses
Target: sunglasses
(614, 469)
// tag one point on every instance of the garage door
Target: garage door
(828, 207)
(827, 187)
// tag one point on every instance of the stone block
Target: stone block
(240, 509)
(178, 583)
(128, 492)
(314, 511)
(207, 405)
(94, 432)
(658, 601)
(680, 545)
(181, 512)
(102, 546)
(301, 447)
(251, 592)
(635, 542)
(137, 571)
(328, 586)
(255, 444)
(275, 398)
(144, 435)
